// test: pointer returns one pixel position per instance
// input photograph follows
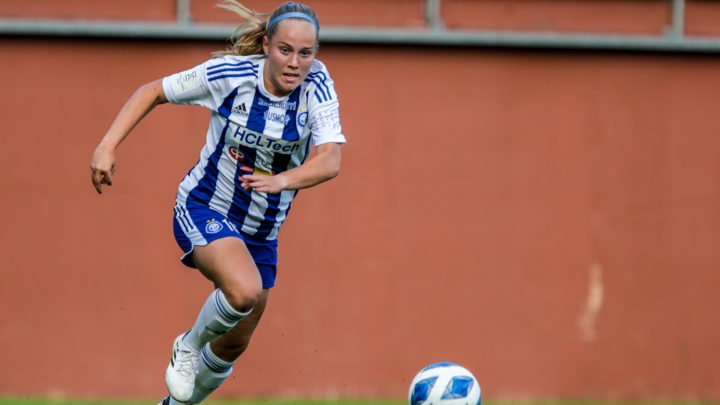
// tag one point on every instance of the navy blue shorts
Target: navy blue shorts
(198, 226)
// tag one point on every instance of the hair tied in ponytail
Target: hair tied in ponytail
(250, 33)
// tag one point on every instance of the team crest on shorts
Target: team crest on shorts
(213, 226)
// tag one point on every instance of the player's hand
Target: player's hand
(102, 166)
(263, 184)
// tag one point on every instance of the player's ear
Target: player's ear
(265, 46)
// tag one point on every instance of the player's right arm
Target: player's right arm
(139, 105)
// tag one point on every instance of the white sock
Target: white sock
(214, 362)
(215, 319)
(212, 372)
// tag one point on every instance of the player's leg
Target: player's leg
(231, 345)
(230, 266)
(227, 263)
(217, 358)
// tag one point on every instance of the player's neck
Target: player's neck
(270, 86)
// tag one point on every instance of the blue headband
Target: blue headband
(291, 15)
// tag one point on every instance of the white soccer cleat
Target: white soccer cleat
(180, 374)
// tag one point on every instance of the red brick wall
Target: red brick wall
(479, 190)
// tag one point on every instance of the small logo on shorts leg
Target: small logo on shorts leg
(213, 226)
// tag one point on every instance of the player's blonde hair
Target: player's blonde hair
(250, 33)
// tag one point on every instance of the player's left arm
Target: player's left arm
(321, 168)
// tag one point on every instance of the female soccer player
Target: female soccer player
(270, 100)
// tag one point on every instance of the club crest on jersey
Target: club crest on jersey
(213, 226)
(302, 116)
(240, 110)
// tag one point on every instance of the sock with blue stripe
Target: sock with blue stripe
(214, 362)
(215, 319)
(212, 372)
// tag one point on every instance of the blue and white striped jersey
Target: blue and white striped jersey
(251, 131)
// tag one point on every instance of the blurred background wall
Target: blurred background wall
(549, 219)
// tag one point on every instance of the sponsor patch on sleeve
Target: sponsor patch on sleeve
(186, 81)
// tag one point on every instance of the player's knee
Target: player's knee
(243, 296)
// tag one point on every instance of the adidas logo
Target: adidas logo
(240, 110)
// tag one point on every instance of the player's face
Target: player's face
(290, 55)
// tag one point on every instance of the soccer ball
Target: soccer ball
(444, 384)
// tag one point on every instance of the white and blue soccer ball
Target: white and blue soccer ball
(444, 384)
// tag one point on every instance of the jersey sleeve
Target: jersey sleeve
(191, 87)
(324, 110)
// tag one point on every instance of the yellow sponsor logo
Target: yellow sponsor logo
(262, 171)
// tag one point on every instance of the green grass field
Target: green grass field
(32, 401)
